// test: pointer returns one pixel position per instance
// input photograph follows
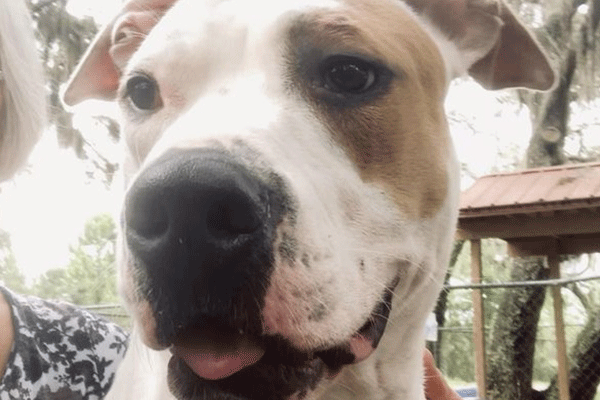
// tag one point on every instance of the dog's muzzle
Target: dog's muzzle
(200, 226)
(201, 230)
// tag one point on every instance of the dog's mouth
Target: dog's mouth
(213, 353)
(218, 362)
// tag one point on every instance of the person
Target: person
(48, 350)
(22, 104)
(55, 350)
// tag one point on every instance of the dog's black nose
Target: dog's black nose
(194, 197)
(201, 226)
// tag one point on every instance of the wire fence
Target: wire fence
(112, 312)
(521, 358)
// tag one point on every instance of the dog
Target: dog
(291, 186)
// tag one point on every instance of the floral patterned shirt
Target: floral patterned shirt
(60, 352)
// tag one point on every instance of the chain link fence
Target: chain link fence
(521, 358)
(519, 351)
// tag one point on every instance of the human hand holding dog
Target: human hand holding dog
(436, 387)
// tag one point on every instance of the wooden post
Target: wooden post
(478, 320)
(559, 329)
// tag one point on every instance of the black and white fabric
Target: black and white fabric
(60, 352)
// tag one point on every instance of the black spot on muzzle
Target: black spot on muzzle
(201, 226)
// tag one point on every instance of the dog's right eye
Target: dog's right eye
(347, 80)
(143, 93)
(349, 75)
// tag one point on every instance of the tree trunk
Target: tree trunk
(510, 359)
(551, 122)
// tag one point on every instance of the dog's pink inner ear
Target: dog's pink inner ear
(97, 75)
(497, 49)
(515, 61)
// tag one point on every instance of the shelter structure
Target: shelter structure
(543, 211)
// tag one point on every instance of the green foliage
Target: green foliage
(90, 276)
(92, 266)
(581, 311)
(63, 38)
(10, 275)
(52, 285)
(456, 354)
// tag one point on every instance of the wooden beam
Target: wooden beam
(541, 246)
(528, 226)
(542, 208)
(559, 329)
(478, 320)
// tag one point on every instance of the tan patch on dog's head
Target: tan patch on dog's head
(397, 136)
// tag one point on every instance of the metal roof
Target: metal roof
(565, 187)
(534, 210)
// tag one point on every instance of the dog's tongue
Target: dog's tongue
(361, 347)
(216, 355)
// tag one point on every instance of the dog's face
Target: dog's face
(291, 185)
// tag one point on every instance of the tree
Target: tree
(510, 371)
(63, 39)
(92, 266)
(441, 305)
(52, 285)
(454, 308)
(10, 275)
(570, 31)
(90, 276)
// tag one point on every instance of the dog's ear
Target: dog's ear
(516, 60)
(496, 49)
(97, 75)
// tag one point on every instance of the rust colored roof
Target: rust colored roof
(567, 187)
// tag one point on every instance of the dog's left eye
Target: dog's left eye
(143, 93)
(347, 74)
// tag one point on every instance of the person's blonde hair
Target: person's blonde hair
(23, 112)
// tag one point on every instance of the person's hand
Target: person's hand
(436, 387)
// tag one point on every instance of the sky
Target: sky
(44, 208)
(102, 11)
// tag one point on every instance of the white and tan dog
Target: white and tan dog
(291, 186)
